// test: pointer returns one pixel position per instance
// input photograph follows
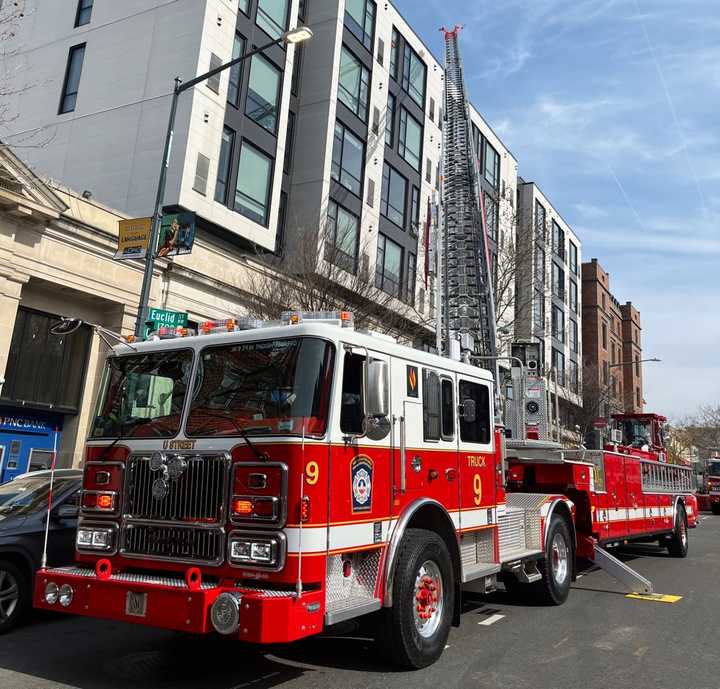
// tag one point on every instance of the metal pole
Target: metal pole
(156, 218)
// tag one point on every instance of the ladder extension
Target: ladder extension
(627, 576)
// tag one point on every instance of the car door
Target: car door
(61, 537)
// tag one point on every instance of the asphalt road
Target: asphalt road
(598, 639)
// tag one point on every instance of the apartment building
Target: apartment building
(331, 147)
(549, 293)
(612, 347)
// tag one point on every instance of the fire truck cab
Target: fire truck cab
(264, 481)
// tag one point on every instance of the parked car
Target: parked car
(23, 511)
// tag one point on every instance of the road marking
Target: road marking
(656, 597)
(491, 620)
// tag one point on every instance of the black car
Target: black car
(23, 513)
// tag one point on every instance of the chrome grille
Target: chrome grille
(197, 495)
(187, 543)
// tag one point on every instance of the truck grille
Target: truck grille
(198, 494)
(186, 543)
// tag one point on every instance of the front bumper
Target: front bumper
(266, 616)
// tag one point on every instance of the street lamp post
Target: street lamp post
(297, 35)
(630, 363)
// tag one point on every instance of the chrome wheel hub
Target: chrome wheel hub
(683, 533)
(559, 559)
(428, 601)
(9, 595)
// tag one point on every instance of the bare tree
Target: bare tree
(600, 400)
(325, 273)
(11, 14)
(700, 430)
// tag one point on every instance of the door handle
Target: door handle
(403, 456)
(451, 474)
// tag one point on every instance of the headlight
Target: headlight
(260, 550)
(51, 593)
(94, 538)
(65, 595)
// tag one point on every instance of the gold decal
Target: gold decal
(476, 461)
(178, 444)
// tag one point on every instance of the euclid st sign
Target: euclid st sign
(172, 319)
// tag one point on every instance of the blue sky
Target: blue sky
(613, 108)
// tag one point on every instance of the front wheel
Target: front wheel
(14, 596)
(416, 627)
(556, 567)
(677, 544)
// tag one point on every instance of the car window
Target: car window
(27, 495)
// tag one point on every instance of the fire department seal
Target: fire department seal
(361, 471)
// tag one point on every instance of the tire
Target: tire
(715, 508)
(556, 567)
(424, 584)
(14, 595)
(677, 544)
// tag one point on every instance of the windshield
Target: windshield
(143, 395)
(713, 469)
(636, 433)
(276, 387)
(27, 495)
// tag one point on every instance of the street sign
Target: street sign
(600, 422)
(133, 238)
(163, 317)
(177, 234)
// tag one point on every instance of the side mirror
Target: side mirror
(468, 411)
(66, 326)
(66, 511)
(377, 388)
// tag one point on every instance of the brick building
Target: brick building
(611, 346)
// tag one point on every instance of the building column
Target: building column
(10, 291)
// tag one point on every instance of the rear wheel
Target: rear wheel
(556, 567)
(677, 544)
(414, 630)
(14, 595)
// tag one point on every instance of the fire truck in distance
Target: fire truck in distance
(711, 481)
(264, 481)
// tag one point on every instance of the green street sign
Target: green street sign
(158, 318)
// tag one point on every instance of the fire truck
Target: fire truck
(265, 481)
(711, 476)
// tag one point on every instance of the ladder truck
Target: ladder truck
(265, 481)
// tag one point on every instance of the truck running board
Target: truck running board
(632, 580)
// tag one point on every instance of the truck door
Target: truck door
(616, 498)
(634, 496)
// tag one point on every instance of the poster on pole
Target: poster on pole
(133, 238)
(177, 234)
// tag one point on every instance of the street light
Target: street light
(630, 363)
(293, 36)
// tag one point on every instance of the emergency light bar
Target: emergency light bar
(343, 318)
(167, 332)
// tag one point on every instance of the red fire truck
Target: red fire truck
(264, 481)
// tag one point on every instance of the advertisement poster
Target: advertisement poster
(177, 234)
(133, 238)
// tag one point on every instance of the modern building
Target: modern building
(549, 294)
(612, 346)
(332, 147)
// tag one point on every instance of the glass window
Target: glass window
(558, 240)
(297, 69)
(236, 71)
(252, 192)
(68, 100)
(491, 217)
(492, 165)
(410, 140)
(263, 93)
(604, 335)
(558, 324)
(431, 405)
(558, 363)
(354, 84)
(540, 221)
(272, 17)
(413, 81)
(84, 12)
(347, 161)
(30, 495)
(43, 369)
(448, 409)
(558, 281)
(539, 311)
(394, 195)
(573, 258)
(360, 19)
(411, 278)
(539, 267)
(213, 81)
(573, 336)
(224, 163)
(282, 219)
(351, 409)
(477, 431)
(143, 395)
(341, 246)
(394, 48)
(289, 139)
(244, 6)
(390, 121)
(270, 387)
(388, 269)
(574, 376)
(302, 9)
(415, 208)
(573, 296)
